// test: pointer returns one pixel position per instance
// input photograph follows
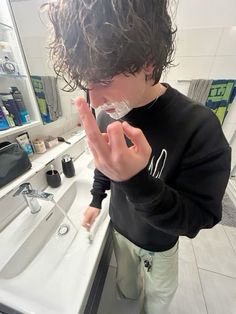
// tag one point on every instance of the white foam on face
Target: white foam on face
(120, 108)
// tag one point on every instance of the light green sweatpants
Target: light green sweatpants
(159, 284)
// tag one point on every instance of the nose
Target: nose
(97, 99)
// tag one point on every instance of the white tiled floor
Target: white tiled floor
(207, 277)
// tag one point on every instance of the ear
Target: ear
(148, 69)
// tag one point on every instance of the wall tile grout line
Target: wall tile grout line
(214, 272)
(199, 277)
(231, 244)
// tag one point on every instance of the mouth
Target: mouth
(110, 110)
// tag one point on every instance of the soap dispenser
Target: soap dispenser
(68, 166)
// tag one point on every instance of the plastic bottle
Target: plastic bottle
(8, 117)
(11, 107)
(17, 96)
(24, 142)
(3, 122)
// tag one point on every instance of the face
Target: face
(121, 94)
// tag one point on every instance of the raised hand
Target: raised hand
(111, 154)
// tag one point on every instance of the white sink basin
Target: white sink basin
(39, 237)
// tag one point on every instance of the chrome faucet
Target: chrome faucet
(31, 196)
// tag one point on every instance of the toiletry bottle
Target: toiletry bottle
(9, 66)
(24, 141)
(3, 122)
(17, 96)
(68, 166)
(8, 117)
(11, 107)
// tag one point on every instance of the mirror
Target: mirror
(31, 25)
(205, 49)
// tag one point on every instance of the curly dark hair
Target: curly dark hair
(94, 40)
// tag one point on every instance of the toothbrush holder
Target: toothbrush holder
(53, 178)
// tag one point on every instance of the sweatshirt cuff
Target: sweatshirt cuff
(97, 201)
(142, 188)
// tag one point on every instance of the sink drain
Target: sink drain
(63, 230)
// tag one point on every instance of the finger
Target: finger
(93, 133)
(135, 135)
(106, 137)
(93, 150)
(87, 118)
(116, 136)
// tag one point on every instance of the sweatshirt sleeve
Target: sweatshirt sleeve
(100, 184)
(193, 200)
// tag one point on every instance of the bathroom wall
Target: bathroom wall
(206, 48)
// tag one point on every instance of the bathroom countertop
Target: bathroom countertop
(63, 289)
(40, 160)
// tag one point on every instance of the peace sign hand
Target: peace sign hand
(111, 154)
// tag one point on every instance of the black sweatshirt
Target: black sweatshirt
(181, 189)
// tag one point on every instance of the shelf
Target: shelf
(13, 76)
(5, 27)
(17, 129)
(39, 161)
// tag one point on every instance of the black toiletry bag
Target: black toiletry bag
(14, 161)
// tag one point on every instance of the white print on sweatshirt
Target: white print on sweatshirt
(157, 165)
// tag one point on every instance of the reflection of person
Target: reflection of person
(163, 156)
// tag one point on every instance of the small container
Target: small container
(39, 145)
(9, 66)
(53, 178)
(50, 141)
(68, 166)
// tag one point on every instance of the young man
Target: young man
(163, 156)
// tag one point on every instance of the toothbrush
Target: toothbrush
(52, 168)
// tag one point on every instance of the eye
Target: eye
(105, 83)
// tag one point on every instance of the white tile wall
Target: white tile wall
(191, 42)
(206, 13)
(188, 67)
(223, 67)
(227, 44)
